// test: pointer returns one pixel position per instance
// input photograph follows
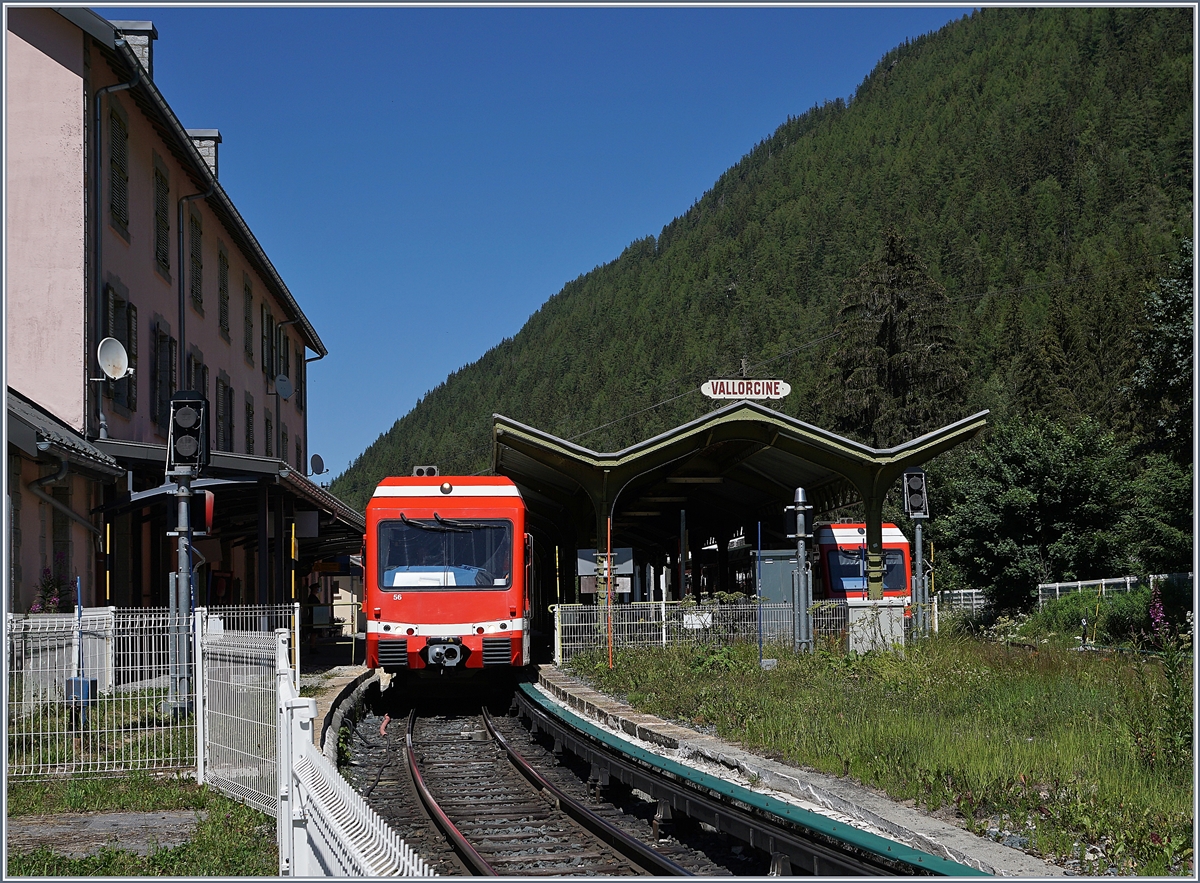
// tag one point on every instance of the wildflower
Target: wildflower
(1158, 618)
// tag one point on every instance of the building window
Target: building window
(162, 221)
(249, 424)
(197, 277)
(300, 366)
(164, 378)
(60, 528)
(268, 435)
(299, 457)
(223, 294)
(118, 170)
(248, 323)
(121, 324)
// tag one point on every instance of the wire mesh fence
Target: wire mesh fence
(239, 648)
(107, 691)
(92, 693)
(583, 627)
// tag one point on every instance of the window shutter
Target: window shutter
(300, 379)
(118, 180)
(220, 414)
(268, 434)
(250, 427)
(197, 263)
(173, 356)
(132, 340)
(285, 366)
(155, 372)
(204, 380)
(223, 292)
(262, 315)
(248, 324)
(229, 400)
(162, 222)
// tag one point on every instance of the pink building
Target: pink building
(118, 227)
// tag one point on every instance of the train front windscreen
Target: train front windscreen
(847, 569)
(445, 553)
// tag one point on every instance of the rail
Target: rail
(796, 837)
(325, 828)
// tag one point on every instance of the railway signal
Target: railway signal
(916, 502)
(187, 440)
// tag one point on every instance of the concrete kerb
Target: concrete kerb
(900, 822)
(345, 702)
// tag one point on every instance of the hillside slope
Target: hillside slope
(1036, 161)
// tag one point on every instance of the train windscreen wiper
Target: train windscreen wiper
(464, 525)
(425, 525)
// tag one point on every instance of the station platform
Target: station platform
(837, 798)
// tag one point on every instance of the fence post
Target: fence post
(296, 642)
(557, 633)
(199, 621)
(283, 755)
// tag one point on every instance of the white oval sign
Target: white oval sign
(746, 389)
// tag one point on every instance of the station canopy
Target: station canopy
(730, 470)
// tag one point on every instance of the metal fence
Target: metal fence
(971, 600)
(238, 648)
(324, 828)
(106, 691)
(1109, 586)
(583, 627)
(91, 693)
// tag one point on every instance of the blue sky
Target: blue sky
(425, 178)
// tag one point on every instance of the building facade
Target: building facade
(118, 227)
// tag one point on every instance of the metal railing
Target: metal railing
(324, 827)
(972, 600)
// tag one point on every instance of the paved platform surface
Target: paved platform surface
(837, 797)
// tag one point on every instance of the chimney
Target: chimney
(140, 35)
(206, 141)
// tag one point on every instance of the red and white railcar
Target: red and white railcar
(840, 571)
(446, 575)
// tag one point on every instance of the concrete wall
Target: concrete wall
(45, 269)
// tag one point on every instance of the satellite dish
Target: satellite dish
(318, 465)
(113, 359)
(283, 386)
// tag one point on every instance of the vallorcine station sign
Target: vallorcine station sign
(746, 389)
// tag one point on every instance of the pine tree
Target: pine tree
(899, 369)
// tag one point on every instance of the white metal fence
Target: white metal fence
(583, 627)
(971, 600)
(91, 692)
(238, 649)
(1109, 586)
(324, 828)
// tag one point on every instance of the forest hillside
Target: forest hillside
(997, 218)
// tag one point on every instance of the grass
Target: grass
(233, 840)
(1072, 751)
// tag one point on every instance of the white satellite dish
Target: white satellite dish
(283, 386)
(318, 465)
(113, 359)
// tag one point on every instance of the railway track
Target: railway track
(483, 791)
